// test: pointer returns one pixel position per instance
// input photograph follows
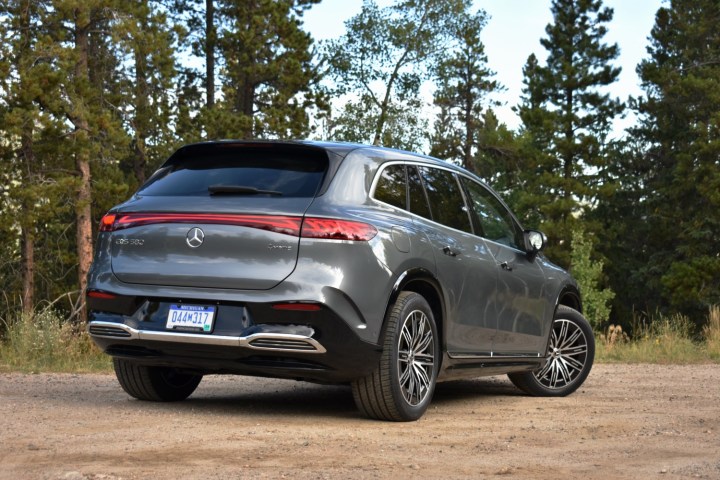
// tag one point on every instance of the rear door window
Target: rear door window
(495, 220)
(287, 174)
(446, 199)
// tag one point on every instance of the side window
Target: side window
(494, 219)
(391, 187)
(446, 199)
(418, 200)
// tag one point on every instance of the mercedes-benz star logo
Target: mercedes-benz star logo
(195, 237)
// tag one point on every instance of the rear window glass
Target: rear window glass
(288, 174)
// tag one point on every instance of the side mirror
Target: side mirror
(534, 241)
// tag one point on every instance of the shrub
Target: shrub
(588, 273)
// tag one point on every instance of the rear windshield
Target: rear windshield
(286, 173)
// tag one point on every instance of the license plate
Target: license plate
(190, 317)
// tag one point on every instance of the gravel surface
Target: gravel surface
(627, 421)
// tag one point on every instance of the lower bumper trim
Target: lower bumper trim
(263, 341)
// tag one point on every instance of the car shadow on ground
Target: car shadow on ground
(320, 401)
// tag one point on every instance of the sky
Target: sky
(514, 31)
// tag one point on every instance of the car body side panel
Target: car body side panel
(523, 305)
(469, 281)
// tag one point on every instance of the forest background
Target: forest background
(95, 94)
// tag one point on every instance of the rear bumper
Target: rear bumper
(247, 339)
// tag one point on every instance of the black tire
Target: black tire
(571, 352)
(156, 384)
(402, 385)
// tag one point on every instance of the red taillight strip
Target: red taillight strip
(331, 229)
(297, 307)
(101, 294)
(274, 223)
(311, 227)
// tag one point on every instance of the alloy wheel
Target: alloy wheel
(416, 357)
(567, 355)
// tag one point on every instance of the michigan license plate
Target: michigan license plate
(198, 318)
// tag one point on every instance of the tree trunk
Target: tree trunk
(469, 134)
(28, 271)
(27, 220)
(210, 40)
(141, 114)
(83, 203)
(27, 150)
(244, 104)
(84, 222)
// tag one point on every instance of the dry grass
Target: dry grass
(711, 333)
(43, 342)
(663, 339)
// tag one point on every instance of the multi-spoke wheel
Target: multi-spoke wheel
(416, 357)
(570, 356)
(402, 385)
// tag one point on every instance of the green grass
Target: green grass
(43, 342)
(663, 340)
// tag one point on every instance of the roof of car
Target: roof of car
(342, 149)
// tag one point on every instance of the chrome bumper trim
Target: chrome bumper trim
(276, 342)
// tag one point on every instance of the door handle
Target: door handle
(449, 251)
(506, 266)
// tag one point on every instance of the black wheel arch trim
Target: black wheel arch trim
(414, 277)
(570, 297)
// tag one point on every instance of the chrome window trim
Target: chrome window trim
(378, 174)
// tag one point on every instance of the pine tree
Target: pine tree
(19, 120)
(270, 79)
(568, 117)
(464, 84)
(149, 43)
(83, 95)
(680, 133)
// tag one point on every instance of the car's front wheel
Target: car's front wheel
(570, 356)
(402, 385)
(157, 384)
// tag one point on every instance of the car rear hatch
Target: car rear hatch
(221, 215)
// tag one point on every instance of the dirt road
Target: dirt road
(627, 421)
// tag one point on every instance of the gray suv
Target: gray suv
(332, 263)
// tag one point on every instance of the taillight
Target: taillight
(273, 223)
(297, 306)
(106, 224)
(321, 228)
(101, 294)
(331, 229)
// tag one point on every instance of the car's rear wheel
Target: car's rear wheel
(402, 385)
(157, 384)
(571, 352)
